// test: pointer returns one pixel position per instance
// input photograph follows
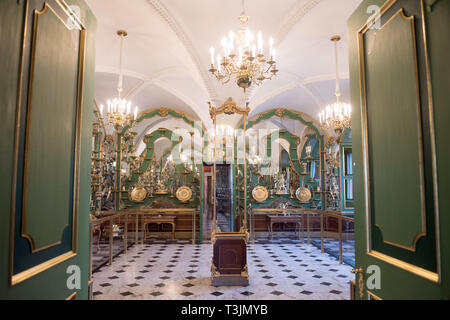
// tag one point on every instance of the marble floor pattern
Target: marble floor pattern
(331, 246)
(180, 271)
(100, 251)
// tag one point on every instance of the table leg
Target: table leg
(271, 231)
(307, 229)
(125, 230)
(193, 228)
(173, 231)
(110, 241)
(136, 231)
(99, 237)
(321, 234)
(142, 230)
(303, 228)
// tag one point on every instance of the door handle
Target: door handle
(360, 271)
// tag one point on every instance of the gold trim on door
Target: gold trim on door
(432, 276)
(400, 13)
(373, 296)
(17, 278)
(73, 296)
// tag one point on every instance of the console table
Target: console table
(284, 220)
(160, 219)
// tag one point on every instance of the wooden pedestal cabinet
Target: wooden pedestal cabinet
(229, 265)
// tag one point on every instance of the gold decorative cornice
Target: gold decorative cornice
(229, 107)
(163, 112)
(279, 112)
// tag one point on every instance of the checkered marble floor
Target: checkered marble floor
(181, 271)
(100, 252)
(331, 246)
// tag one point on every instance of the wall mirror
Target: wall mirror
(228, 146)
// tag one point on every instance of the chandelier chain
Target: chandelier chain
(120, 86)
(119, 109)
(336, 116)
(338, 88)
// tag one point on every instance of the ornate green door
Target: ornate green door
(399, 90)
(47, 66)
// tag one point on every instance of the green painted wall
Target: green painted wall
(318, 151)
(189, 178)
(397, 283)
(51, 283)
(292, 157)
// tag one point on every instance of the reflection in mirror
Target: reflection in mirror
(227, 141)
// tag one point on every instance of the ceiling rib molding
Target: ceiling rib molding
(301, 83)
(167, 72)
(115, 70)
(155, 80)
(302, 8)
(165, 14)
(164, 86)
(203, 116)
(326, 77)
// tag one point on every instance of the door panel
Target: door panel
(396, 191)
(394, 128)
(49, 154)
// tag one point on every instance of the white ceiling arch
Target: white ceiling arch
(156, 75)
(166, 51)
(155, 79)
(300, 9)
(179, 30)
(300, 83)
(294, 15)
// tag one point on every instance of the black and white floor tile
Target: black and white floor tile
(100, 251)
(331, 246)
(181, 271)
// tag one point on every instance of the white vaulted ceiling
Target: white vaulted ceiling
(166, 53)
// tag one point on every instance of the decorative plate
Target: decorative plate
(184, 193)
(260, 193)
(303, 194)
(138, 194)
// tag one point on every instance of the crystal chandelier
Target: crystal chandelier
(336, 116)
(243, 57)
(119, 109)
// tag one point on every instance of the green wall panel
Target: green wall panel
(394, 132)
(50, 149)
(149, 140)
